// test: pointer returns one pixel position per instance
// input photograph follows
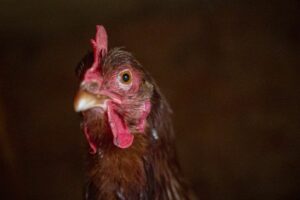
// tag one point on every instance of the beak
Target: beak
(85, 100)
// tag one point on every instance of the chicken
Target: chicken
(126, 121)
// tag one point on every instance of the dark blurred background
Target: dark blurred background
(230, 70)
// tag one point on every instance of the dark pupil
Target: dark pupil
(125, 77)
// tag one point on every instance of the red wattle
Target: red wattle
(122, 136)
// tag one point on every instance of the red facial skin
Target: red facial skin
(122, 105)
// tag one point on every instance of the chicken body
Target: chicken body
(127, 123)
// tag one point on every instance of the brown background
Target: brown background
(230, 70)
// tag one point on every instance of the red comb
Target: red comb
(100, 47)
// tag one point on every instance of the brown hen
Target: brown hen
(126, 121)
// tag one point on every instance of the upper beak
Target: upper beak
(85, 100)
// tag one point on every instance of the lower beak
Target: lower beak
(85, 100)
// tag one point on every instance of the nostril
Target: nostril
(93, 87)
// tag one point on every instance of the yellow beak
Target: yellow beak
(85, 100)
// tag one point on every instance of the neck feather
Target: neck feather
(147, 170)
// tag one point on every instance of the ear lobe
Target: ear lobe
(148, 86)
(145, 110)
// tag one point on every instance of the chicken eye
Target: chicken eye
(125, 77)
